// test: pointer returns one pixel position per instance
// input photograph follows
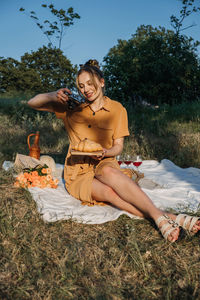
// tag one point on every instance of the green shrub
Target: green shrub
(170, 132)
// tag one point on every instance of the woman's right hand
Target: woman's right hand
(62, 96)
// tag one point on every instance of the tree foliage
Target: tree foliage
(53, 68)
(188, 7)
(44, 70)
(154, 65)
(15, 77)
(56, 28)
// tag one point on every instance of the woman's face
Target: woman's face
(88, 89)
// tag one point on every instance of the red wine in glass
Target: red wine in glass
(119, 159)
(137, 163)
(128, 162)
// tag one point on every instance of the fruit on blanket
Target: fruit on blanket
(87, 145)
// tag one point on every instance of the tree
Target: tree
(154, 65)
(44, 70)
(57, 28)
(53, 68)
(188, 7)
(16, 78)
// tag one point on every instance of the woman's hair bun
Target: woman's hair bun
(92, 67)
(93, 63)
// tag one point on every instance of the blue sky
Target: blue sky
(102, 23)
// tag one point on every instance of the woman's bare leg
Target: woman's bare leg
(129, 191)
(104, 193)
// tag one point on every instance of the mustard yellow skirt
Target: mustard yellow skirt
(79, 173)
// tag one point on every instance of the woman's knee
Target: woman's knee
(107, 172)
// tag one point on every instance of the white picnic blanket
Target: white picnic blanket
(168, 186)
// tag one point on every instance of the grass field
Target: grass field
(123, 259)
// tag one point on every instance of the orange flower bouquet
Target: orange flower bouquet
(40, 176)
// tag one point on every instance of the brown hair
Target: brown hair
(91, 67)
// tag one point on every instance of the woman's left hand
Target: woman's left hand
(100, 157)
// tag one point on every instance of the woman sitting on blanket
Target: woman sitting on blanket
(99, 179)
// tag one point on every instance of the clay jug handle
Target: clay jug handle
(28, 139)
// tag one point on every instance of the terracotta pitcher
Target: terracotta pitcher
(34, 150)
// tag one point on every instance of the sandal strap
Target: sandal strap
(188, 221)
(166, 229)
(193, 222)
(168, 219)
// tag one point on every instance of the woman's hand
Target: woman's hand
(115, 150)
(100, 157)
(62, 96)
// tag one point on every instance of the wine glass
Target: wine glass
(137, 161)
(119, 159)
(128, 160)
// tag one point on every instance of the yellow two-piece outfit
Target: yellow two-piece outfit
(103, 127)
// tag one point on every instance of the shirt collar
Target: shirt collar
(106, 106)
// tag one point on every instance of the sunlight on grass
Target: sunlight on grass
(123, 259)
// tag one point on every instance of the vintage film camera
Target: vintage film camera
(74, 101)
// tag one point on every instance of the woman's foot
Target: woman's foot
(168, 227)
(189, 223)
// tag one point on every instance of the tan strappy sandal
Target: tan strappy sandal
(187, 223)
(168, 227)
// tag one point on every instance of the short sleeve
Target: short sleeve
(121, 126)
(59, 110)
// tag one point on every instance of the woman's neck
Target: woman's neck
(97, 104)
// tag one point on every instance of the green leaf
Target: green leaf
(33, 17)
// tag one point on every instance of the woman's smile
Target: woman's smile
(88, 95)
(90, 90)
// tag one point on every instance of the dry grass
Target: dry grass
(13, 137)
(124, 259)
(181, 148)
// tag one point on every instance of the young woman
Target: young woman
(99, 179)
